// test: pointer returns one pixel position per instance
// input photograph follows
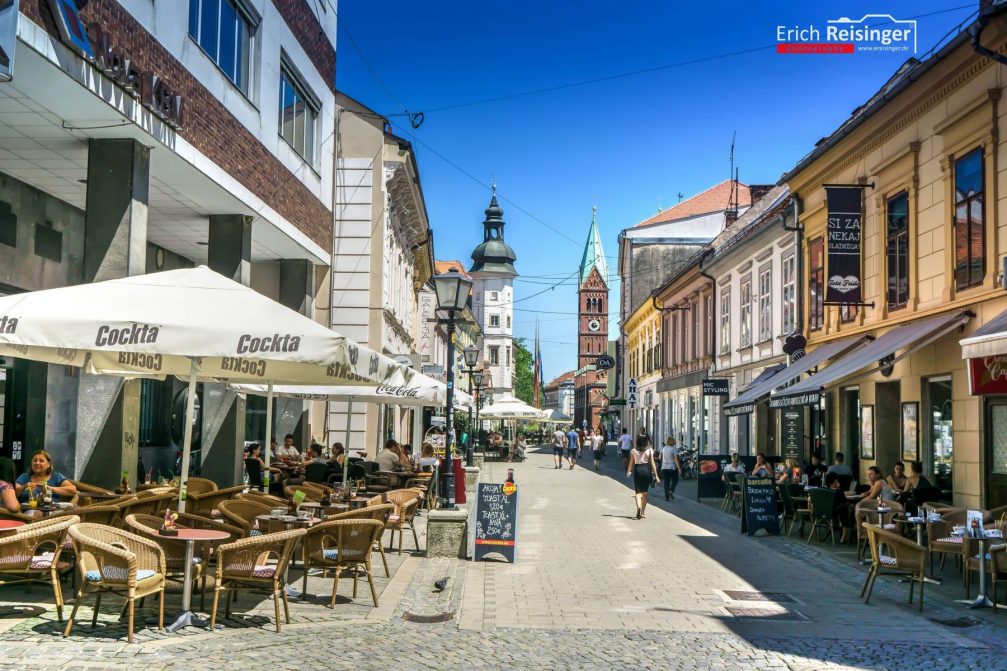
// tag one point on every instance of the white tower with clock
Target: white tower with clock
(592, 330)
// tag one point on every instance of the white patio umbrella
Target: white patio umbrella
(556, 416)
(193, 323)
(509, 407)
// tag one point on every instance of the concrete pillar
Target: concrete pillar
(297, 292)
(115, 245)
(229, 252)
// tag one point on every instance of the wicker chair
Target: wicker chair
(996, 566)
(83, 489)
(174, 550)
(406, 502)
(866, 510)
(194, 485)
(20, 517)
(241, 565)
(259, 497)
(113, 560)
(242, 513)
(32, 554)
(148, 505)
(310, 493)
(380, 513)
(93, 514)
(901, 557)
(341, 545)
(125, 498)
(940, 539)
(205, 504)
(155, 491)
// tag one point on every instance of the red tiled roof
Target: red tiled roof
(562, 378)
(713, 199)
(445, 266)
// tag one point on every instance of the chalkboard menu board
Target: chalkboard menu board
(759, 508)
(792, 432)
(496, 520)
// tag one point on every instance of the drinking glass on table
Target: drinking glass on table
(353, 490)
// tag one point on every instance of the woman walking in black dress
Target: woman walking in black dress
(643, 469)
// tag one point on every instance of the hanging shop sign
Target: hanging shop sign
(102, 49)
(632, 401)
(809, 398)
(988, 375)
(8, 38)
(604, 362)
(844, 237)
(716, 386)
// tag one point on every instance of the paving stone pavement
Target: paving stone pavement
(592, 588)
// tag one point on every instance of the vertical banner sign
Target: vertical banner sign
(496, 520)
(844, 232)
(792, 432)
(8, 38)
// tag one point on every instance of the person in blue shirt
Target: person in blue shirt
(572, 446)
(41, 473)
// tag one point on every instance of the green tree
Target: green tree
(524, 372)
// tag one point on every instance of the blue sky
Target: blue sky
(628, 144)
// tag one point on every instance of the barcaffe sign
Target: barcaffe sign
(99, 46)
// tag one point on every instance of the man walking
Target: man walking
(572, 446)
(558, 442)
(670, 467)
(597, 448)
(625, 445)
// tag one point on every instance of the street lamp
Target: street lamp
(452, 290)
(471, 355)
(477, 379)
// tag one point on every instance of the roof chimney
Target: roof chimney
(758, 191)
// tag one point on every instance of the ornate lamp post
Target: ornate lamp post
(477, 379)
(471, 355)
(452, 290)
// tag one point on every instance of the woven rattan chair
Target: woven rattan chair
(996, 566)
(866, 510)
(940, 539)
(83, 489)
(154, 491)
(174, 551)
(259, 497)
(242, 513)
(125, 498)
(892, 554)
(149, 505)
(116, 561)
(406, 502)
(310, 493)
(196, 485)
(242, 565)
(379, 513)
(32, 554)
(205, 504)
(341, 545)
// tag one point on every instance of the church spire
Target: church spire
(594, 255)
(494, 255)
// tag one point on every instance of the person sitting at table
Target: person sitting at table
(842, 510)
(815, 470)
(254, 465)
(338, 456)
(288, 451)
(42, 474)
(897, 480)
(313, 455)
(839, 467)
(736, 465)
(426, 461)
(915, 479)
(405, 454)
(8, 497)
(519, 447)
(791, 473)
(388, 458)
(878, 486)
(761, 468)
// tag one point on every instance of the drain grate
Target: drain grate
(773, 597)
(765, 615)
(427, 619)
(957, 622)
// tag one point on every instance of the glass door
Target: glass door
(996, 451)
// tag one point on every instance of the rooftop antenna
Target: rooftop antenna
(660, 204)
(732, 202)
(680, 196)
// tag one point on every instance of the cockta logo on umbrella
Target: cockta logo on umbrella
(8, 325)
(141, 360)
(256, 367)
(248, 344)
(135, 334)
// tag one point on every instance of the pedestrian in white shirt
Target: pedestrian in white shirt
(625, 445)
(287, 450)
(670, 467)
(597, 447)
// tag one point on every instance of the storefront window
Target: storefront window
(941, 432)
(816, 284)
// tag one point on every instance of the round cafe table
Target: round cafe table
(323, 509)
(190, 536)
(8, 526)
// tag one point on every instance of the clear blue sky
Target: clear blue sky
(629, 144)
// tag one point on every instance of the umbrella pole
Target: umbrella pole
(190, 407)
(269, 432)
(346, 444)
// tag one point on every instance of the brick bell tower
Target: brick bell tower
(592, 330)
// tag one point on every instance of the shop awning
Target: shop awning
(879, 353)
(990, 339)
(745, 402)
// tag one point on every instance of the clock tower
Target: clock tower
(592, 330)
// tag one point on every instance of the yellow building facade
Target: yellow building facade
(643, 368)
(928, 151)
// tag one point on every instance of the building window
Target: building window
(508, 321)
(816, 281)
(508, 356)
(725, 322)
(694, 317)
(746, 312)
(494, 296)
(970, 227)
(708, 335)
(765, 305)
(298, 115)
(898, 251)
(224, 30)
(495, 355)
(494, 320)
(789, 294)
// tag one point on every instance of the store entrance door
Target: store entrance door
(996, 452)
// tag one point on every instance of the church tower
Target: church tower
(592, 330)
(493, 276)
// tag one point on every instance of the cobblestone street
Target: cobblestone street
(592, 588)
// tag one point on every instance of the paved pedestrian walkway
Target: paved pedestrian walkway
(592, 588)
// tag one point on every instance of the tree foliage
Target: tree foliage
(524, 372)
